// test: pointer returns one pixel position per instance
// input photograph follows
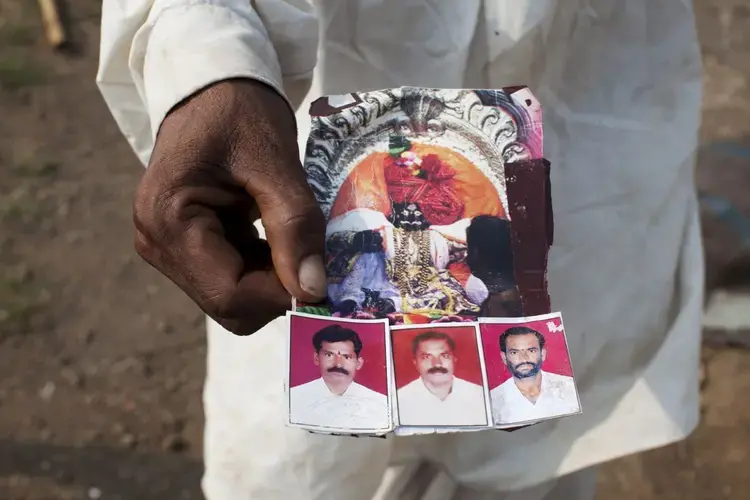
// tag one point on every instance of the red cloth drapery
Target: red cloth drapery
(366, 186)
(431, 185)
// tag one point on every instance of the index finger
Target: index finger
(230, 279)
(233, 276)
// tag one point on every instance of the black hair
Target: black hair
(490, 248)
(336, 333)
(422, 337)
(520, 330)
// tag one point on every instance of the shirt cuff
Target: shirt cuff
(193, 45)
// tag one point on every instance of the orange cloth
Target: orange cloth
(365, 186)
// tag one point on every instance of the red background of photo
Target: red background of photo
(558, 359)
(467, 367)
(373, 374)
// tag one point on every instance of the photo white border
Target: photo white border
(529, 319)
(288, 372)
(420, 429)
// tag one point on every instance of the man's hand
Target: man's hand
(222, 158)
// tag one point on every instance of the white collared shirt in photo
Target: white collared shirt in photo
(358, 408)
(557, 397)
(465, 405)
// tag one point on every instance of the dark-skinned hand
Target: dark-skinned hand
(222, 158)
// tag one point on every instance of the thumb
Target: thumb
(295, 229)
(265, 158)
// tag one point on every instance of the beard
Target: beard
(533, 369)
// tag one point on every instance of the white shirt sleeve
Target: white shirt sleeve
(155, 53)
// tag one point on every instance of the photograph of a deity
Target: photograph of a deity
(412, 184)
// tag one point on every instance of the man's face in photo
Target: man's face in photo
(523, 356)
(435, 361)
(337, 361)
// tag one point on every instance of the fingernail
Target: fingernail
(312, 276)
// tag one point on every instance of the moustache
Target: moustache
(437, 369)
(530, 365)
(336, 369)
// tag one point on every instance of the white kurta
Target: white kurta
(357, 408)
(620, 86)
(557, 397)
(465, 405)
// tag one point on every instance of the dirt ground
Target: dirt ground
(102, 359)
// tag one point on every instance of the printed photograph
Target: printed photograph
(412, 184)
(338, 373)
(439, 376)
(528, 369)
